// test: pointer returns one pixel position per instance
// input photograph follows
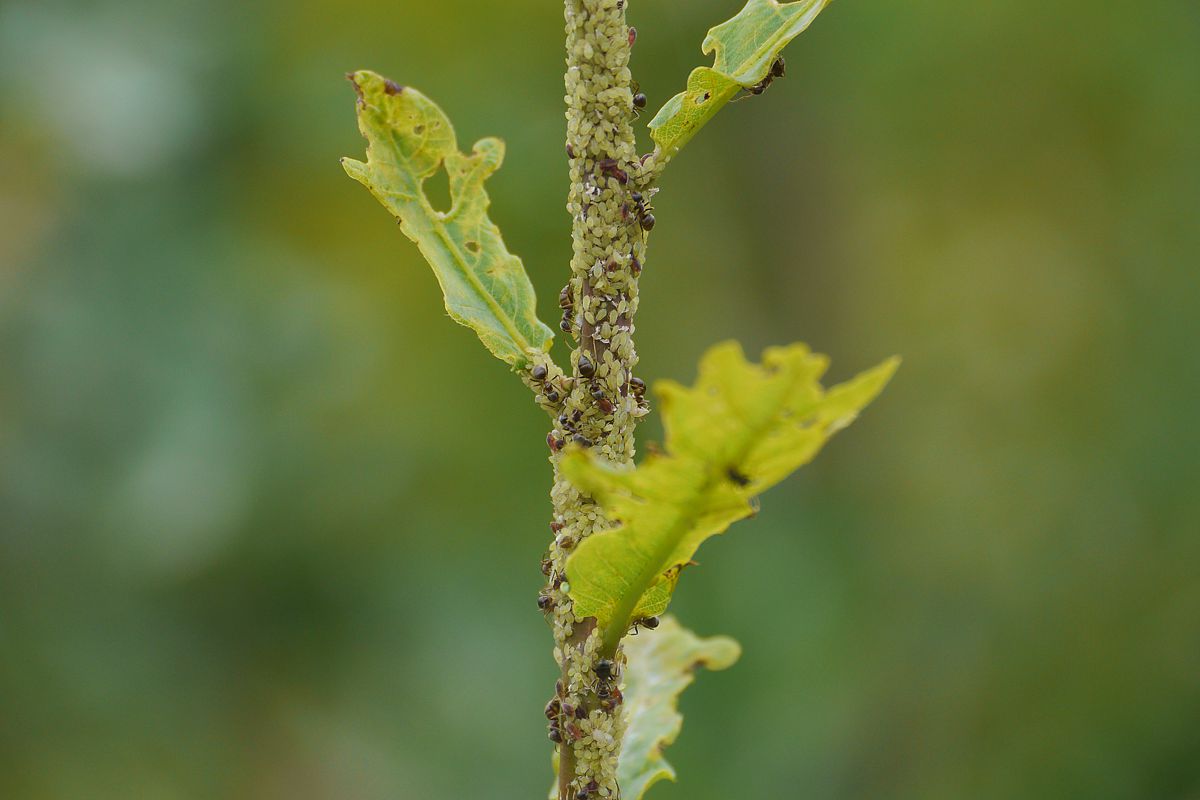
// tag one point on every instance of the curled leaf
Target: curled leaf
(746, 47)
(661, 665)
(486, 287)
(741, 429)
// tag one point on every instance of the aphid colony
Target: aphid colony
(599, 401)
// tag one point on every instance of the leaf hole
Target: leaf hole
(418, 129)
(437, 190)
(703, 98)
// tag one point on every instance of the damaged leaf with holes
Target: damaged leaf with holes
(659, 668)
(739, 430)
(486, 287)
(746, 49)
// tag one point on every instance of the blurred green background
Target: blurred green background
(270, 524)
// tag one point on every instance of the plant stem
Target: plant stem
(602, 407)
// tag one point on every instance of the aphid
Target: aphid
(570, 151)
(608, 166)
(547, 565)
(586, 368)
(558, 688)
(632, 35)
(555, 736)
(635, 266)
(565, 541)
(568, 710)
(556, 526)
(582, 440)
(553, 708)
(539, 372)
(553, 442)
(573, 731)
(605, 405)
(565, 323)
(545, 602)
(637, 385)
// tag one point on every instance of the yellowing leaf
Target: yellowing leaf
(661, 666)
(740, 430)
(746, 46)
(408, 140)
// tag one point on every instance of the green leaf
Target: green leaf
(661, 665)
(408, 140)
(740, 430)
(746, 47)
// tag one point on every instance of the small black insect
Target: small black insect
(582, 440)
(647, 222)
(545, 602)
(551, 395)
(778, 69)
(555, 736)
(604, 668)
(553, 707)
(737, 477)
(650, 622)
(639, 100)
(586, 368)
(539, 372)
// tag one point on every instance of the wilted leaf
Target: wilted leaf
(661, 666)
(740, 430)
(746, 47)
(408, 140)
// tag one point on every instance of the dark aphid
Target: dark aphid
(737, 477)
(568, 710)
(547, 565)
(556, 526)
(639, 101)
(635, 266)
(604, 668)
(565, 541)
(555, 735)
(554, 443)
(580, 711)
(647, 222)
(605, 405)
(636, 197)
(545, 602)
(539, 372)
(586, 368)
(553, 707)
(582, 440)
(638, 385)
(632, 35)
(574, 732)
(570, 151)
(558, 688)
(565, 324)
(609, 167)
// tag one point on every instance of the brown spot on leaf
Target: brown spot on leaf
(391, 87)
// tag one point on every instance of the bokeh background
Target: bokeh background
(270, 524)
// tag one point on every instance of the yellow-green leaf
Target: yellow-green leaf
(746, 46)
(408, 140)
(661, 665)
(741, 429)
